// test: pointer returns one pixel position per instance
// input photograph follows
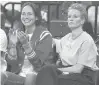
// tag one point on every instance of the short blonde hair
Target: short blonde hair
(81, 8)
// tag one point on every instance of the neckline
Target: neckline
(77, 36)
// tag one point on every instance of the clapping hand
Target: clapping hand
(12, 44)
(12, 36)
(24, 40)
(23, 37)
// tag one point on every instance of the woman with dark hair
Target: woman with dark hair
(77, 52)
(35, 43)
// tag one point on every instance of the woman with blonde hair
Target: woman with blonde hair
(77, 52)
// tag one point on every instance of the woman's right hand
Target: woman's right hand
(24, 40)
(12, 36)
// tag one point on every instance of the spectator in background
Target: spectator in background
(44, 17)
(3, 49)
(5, 23)
(15, 57)
(14, 61)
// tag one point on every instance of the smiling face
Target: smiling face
(27, 16)
(75, 19)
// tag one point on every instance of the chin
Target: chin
(72, 28)
(27, 24)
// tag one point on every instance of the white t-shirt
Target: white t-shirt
(30, 36)
(3, 40)
(81, 50)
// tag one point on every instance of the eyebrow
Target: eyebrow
(29, 12)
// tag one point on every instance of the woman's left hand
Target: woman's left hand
(23, 37)
(62, 69)
(24, 40)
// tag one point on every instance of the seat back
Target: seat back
(14, 79)
(97, 78)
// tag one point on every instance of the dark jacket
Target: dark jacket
(41, 43)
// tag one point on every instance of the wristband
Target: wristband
(27, 48)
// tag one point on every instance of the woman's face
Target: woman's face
(27, 16)
(74, 19)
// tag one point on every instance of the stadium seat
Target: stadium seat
(13, 80)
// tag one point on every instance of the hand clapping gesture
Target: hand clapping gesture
(23, 37)
(12, 36)
(12, 44)
(24, 40)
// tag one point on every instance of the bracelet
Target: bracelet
(27, 48)
(31, 55)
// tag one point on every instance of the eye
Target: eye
(75, 16)
(68, 16)
(29, 13)
(23, 13)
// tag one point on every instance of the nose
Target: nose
(71, 19)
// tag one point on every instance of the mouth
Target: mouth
(71, 23)
(27, 20)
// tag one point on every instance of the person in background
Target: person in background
(77, 53)
(3, 49)
(15, 55)
(44, 17)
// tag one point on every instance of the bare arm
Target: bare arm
(77, 68)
